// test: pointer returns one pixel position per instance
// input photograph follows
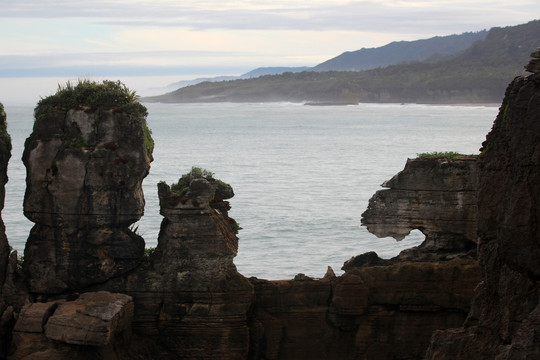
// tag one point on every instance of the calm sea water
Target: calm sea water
(302, 175)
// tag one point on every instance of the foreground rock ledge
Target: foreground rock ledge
(97, 324)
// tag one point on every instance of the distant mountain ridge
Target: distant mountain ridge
(391, 54)
(478, 74)
(401, 52)
(253, 73)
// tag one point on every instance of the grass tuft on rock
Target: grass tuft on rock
(196, 173)
(105, 96)
(448, 155)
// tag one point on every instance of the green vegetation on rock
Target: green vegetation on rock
(105, 96)
(448, 155)
(185, 180)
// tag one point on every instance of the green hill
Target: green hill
(398, 52)
(479, 74)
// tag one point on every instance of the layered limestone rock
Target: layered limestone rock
(95, 325)
(190, 301)
(436, 195)
(85, 165)
(209, 300)
(504, 322)
(371, 312)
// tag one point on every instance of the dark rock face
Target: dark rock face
(504, 322)
(371, 312)
(436, 196)
(5, 154)
(84, 175)
(6, 310)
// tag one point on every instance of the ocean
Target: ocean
(302, 175)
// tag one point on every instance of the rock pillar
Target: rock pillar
(85, 167)
(206, 304)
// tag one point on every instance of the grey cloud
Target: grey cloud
(353, 16)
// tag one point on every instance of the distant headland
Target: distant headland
(471, 68)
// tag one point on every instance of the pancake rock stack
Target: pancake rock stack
(85, 166)
(205, 300)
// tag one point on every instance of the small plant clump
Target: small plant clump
(105, 95)
(183, 183)
(448, 155)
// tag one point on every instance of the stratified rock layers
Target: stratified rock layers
(190, 301)
(504, 322)
(94, 326)
(84, 173)
(436, 196)
(374, 312)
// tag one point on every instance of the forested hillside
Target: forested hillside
(399, 52)
(477, 75)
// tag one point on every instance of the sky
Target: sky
(183, 39)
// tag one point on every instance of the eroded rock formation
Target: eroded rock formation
(201, 300)
(85, 168)
(434, 195)
(504, 322)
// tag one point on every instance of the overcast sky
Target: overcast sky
(162, 37)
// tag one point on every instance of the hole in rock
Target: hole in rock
(393, 247)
